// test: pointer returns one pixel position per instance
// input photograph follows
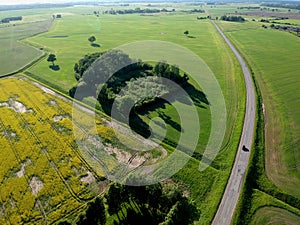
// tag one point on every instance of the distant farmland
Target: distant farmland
(14, 53)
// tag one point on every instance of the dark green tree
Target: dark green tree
(183, 212)
(95, 214)
(186, 32)
(51, 58)
(114, 198)
(92, 39)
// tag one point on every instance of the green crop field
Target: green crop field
(272, 215)
(15, 53)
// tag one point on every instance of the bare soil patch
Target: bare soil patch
(35, 185)
(89, 178)
(16, 105)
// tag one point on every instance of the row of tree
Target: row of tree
(232, 18)
(137, 10)
(8, 19)
(149, 205)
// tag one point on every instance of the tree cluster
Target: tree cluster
(97, 13)
(194, 11)
(232, 18)
(156, 205)
(104, 76)
(202, 18)
(15, 18)
(249, 7)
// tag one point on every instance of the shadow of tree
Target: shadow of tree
(195, 96)
(54, 67)
(189, 36)
(95, 45)
(171, 122)
(144, 216)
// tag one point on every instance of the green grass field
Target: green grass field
(272, 215)
(15, 53)
(268, 210)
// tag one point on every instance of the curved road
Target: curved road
(232, 192)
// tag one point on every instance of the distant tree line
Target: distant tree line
(8, 19)
(249, 7)
(137, 10)
(194, 11)
(232, 18)
(289, 5)
(286, 28)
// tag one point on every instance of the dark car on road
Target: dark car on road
(245, 149)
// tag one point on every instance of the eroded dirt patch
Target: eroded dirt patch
(35, 185)
(89, 178)
(16, 105)
(21, 173)
(58, 118)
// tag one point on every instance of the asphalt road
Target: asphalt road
(232, 192)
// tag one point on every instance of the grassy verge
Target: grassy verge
(257, 186)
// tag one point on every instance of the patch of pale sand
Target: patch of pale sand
(58, 118)
(126, 131)
(92, 140)
(36, 185)
(89, 178)
(52, 102)
(21, 173)
(4, 104)
(125, 157)
(16, 105)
